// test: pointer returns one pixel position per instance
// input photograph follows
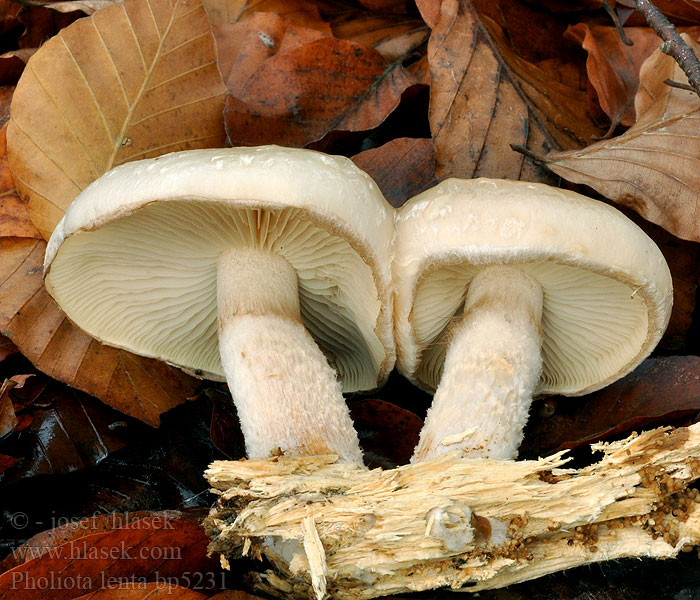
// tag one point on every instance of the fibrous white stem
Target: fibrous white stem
(287, 395)
(491, 369)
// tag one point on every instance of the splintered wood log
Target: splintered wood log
(336, 529)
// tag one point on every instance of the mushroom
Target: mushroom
(269, 267)
(507, 290)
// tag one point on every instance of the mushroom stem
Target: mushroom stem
(491, 369)
(287, 395)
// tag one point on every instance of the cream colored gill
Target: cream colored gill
(593, 326)
(147, 283)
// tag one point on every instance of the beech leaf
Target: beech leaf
(652, 167)
(86, 6)
(14, 218)
(135, 80)
(388, 433)
(401, 168)
(484, 97)
(246, 45)
(299, 96)
(7, 348)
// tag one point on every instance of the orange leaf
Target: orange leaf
(134, 80)
(245, 46)
(401, 168)
(12, 64)
(42, 543)
(144, 591)
(154, 549)
(297, 97)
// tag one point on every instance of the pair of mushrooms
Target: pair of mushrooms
(278, 269)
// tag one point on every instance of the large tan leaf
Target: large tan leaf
(134, 80)
(652, 168)
(484, 97)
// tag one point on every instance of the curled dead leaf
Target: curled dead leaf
(12, 64)
(653, 167)
(86, 6)
(393, 36)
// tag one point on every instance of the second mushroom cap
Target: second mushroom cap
(603, 290)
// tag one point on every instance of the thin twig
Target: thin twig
(529, 153)
(673, 43)
(616, 21)
(679, 85)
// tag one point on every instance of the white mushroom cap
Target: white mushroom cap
(134, 260)
(607, 288)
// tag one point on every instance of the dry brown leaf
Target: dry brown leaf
(14, 219)
(135, 80)
(6, 93)
(12, 64)
(613, 67)
(141, 387)
(298, 96)
(392, 36)
(8, 418)
(430, 11)
(246, 45)
(7, 348)
(679, 11)
(401, 168)
(303, 13)
(484, 97)
(653, 167)
(143, 591)
(86, 6)
(169, 551)
(43, 542)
